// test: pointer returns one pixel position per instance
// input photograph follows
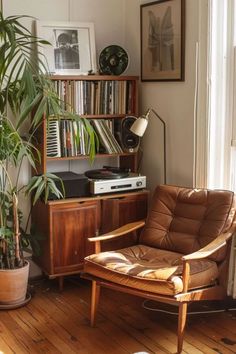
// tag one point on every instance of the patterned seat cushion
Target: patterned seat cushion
(147, 268)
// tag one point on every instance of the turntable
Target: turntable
(114, 179)
(108, 172)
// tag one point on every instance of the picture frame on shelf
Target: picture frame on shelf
(72, 50)
(162, 40)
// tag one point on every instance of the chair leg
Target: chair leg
(94, 302)
(181, 324)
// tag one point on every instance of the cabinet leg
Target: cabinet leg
(61, 283)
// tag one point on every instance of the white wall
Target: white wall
(107, 16)
(174, 102)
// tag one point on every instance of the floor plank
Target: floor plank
(30, 329)
(111, 314)
(78, 325)
(54, 322)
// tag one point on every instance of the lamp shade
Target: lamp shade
(139, 126)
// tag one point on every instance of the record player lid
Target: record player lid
(107, 173)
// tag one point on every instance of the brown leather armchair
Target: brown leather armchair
(181, 255)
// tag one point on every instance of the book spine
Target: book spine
(63, 138)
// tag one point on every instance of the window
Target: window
(221, 171)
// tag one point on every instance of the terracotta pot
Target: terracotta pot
(14, 285)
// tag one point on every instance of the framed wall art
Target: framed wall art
(162, 40)
(72, 50)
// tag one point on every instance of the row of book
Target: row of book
(69, 138)
(96, 97)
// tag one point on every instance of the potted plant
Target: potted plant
(26, 98)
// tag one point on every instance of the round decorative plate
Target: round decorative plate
(113, 60)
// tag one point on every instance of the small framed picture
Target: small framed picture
(162, 40)
(72, 50)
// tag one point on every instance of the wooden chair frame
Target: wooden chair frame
(215, 292)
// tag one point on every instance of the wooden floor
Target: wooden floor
(54, 322)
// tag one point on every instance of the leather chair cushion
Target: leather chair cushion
(184, 220)
(146, 268)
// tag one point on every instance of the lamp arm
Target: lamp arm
(164, 131)
(153, 110)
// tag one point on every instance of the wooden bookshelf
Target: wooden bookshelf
(126, 159)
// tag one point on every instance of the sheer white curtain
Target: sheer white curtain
(233, 140)
(221, 69)
(221, 157)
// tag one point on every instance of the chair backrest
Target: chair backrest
(184, 220)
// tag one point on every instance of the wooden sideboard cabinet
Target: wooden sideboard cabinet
(126, 94)
(67, 224)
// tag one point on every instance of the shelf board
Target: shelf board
(98, 116)
(93, 77)
(104, 196)
(83, 157)
(105, 116)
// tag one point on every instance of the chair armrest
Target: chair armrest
(116, 233)
(204, 252)
(212, 247)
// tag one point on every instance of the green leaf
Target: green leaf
(33, 184)
(28, 108)
(39, 190)
(5, 232)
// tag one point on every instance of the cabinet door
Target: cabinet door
(120, 211)
(71, 225)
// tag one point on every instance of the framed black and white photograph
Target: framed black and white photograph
(162, 40)
(72, 50)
